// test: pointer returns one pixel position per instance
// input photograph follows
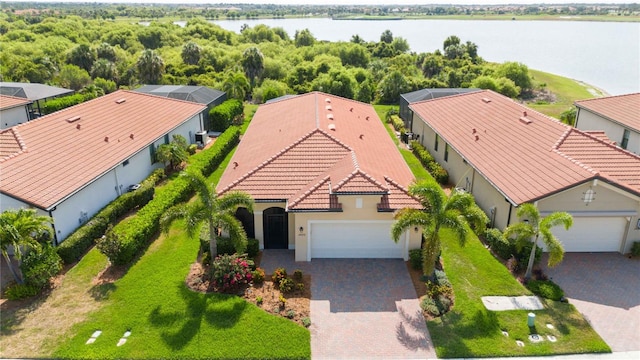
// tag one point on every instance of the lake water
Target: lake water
(603, 54)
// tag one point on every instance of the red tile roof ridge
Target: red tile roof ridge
(353, 174)
(395, 184)
(605, 97)
(605, 143)
(308, 192)
(19, 141)
(279, 154)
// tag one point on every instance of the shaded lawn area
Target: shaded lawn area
(470, 330)
(168, 320)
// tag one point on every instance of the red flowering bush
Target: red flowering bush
(230, 272)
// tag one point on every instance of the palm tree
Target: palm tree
(236, 85)
(174, 152)
(105, 69)
(532, 227)
(212, 213)
(457, 212)
(82, 56)
(21, 229)
(252, 63)
(191, 53)
(150, 67)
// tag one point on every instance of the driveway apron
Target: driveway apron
(360, 308)
(605, 288)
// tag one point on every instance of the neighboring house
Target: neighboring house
(13, 111)
(506, 154)
(406, 114)
(197, 94)
(326, 178)
(72, 163)
(617, 116)
(37, 93)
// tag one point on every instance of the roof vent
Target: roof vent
(351, 109)
(73, 118)
(330, 116)
(525, 121)
(106, 139)
(131, 136)
(367, 118)
(235, 164)
(328, 107)
(361, 136)
(473, 131)
(120, 101)
(477, 137)
(332, 127)
(486, 100)
(327, 100)
(524, 113)
(78, 126)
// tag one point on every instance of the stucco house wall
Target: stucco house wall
(13, 116)
(586, 120)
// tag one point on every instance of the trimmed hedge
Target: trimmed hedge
(398, 124)
(135, 233)
(65, 102)
(222, 116)
(72, 248)
(428, 162)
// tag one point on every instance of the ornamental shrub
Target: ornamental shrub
(297, 275)
(286, 286)
(499, 244)
(39, 265)
(278, 275)
(230, 272)
(429, 305)
(253, 248)
(306, 322)
(635, 248)
(258, 276)
(441, 278)
(21, 291)
(415, 259)
(428, 162)
(222, 116)
(546, 288)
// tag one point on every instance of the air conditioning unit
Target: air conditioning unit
(202, 137)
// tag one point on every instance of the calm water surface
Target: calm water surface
(603, 54)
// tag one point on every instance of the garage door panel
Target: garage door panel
(592, 234)
(354, 240)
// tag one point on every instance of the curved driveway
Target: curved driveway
(360, 308)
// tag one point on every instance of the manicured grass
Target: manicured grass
(381, 110)
(167, 320)
(470, 330)
(566, 90)
(416, 167)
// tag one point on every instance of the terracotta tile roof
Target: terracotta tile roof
(64, 151)
(624, 109)
(519, 150)
(292, 146)
(10, 144)
(609, 161)
(397, 198)
(8, 102)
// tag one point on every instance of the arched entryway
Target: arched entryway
(246, 218)
(275, 228)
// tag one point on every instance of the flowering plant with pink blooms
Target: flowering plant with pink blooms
(230, 272)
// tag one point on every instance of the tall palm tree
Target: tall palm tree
(252, 63)
(457, 212)
(211, 211)
(236, 86)
(150, 67)
(191, 53)
(21, 230)
(82, 56)
(533, 227)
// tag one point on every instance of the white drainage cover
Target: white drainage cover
(519, 343)
(505, 333)
(534, 338)
(93, 337)
(124, 337)
(552, 338)
(121, 342)
(549, 326)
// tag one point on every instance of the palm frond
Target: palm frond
(554, 246)
(236, 231)
(430, 194)
(231, 201)
(173, 213)
(451, 219)
(555, 219)
(530, 212)
(203, 189)
(407, 218)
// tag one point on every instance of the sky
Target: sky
(356, 2)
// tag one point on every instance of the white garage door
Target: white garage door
(592, 234)
(354, 240)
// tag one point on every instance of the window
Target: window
(446, 152)
(152, 153)
(435, 145)
(166, 138)
(358, 203)
(625, 139)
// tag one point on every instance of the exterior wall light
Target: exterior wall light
(589, 196)
(300, 229)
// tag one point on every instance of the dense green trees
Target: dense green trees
(70, 51)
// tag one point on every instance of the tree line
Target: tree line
(259, 63)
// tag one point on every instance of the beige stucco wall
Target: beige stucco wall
(590, 121)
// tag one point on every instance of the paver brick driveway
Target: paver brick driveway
(605, 288)
(360, 308)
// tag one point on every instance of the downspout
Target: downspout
(575, 123)
(53, 226)
(509, 217)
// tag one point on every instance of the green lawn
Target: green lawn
(566, 90)
(470, 330)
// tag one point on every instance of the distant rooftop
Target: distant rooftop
(31, 91)
(197, 94)
(624, 109)
(8, 102)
